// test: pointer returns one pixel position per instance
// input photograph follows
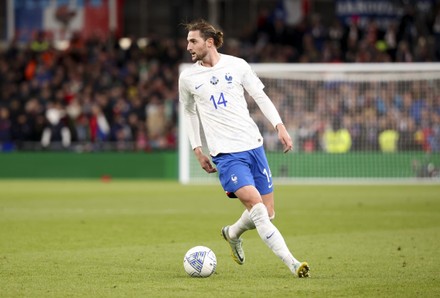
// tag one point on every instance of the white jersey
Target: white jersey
(215, 95)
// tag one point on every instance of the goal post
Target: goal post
(348, 122)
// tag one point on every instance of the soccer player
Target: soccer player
(212, 91)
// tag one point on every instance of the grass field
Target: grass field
(72, 238)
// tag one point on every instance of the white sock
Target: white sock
(243, 224)
(271, 236)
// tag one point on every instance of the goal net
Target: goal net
(348, 122)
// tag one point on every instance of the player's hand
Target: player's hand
(204, 161)
(206, 165)
(284, 137)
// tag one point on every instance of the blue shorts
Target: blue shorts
(244, 168)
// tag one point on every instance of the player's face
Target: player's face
(197, 46)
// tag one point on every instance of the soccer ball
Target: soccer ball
(200, 261)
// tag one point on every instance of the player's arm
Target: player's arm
(204, 160)
(192, 123)
(190, 116)
(254, 86)
(270, 112)
(284, 137)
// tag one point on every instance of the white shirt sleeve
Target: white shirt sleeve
(254, 87)
(191, 118)
(267, 107)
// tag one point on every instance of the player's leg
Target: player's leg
(233, 174)
(303, 269)
(245, 223)
(252, 200)
(263, 179)
(259, 201)
(269, 202)
(275, 241)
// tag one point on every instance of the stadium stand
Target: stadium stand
(96, 95)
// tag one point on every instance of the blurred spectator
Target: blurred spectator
(56, 130)
(434, 140)
(5, 128)
(407, 135)
(98, 125)
(337, 138)
(435, 29)
(388, 139)
(40, 44)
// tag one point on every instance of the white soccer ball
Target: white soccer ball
(200, 261)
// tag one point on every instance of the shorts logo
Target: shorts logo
(234, 179)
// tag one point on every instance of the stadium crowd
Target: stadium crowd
(97, 95)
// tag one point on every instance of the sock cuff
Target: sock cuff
(257, 208)
(258, 213)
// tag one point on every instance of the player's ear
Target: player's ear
(210, 41)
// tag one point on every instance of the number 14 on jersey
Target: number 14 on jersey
(218, 101)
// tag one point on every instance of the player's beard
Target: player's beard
(199, 56)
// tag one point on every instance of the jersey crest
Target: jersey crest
(214, 80)
(228, 78)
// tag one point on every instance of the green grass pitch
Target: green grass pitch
(124, 238)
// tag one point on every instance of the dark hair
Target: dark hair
(206, 31)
